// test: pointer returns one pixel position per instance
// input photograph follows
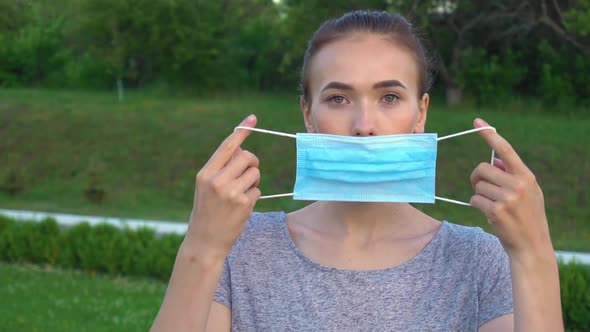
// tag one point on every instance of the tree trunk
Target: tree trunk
(454, 91)
(454, 94)
(120, 89)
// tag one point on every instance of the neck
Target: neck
(364, 219)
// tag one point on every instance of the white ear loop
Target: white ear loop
(439, 139)
(460, 134)
(266, 131)
(273, 133)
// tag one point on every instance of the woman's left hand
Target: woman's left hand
(510, 197)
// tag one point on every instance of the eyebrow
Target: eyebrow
(338, 86)
(378, 85)
(388, 84)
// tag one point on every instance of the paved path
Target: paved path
(160, 226)
(165, 227)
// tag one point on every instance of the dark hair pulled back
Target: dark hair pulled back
(393, 26)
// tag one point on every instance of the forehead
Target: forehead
(361, 60)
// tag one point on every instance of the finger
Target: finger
(237, 165)
(250, 178)
(484, 204)
(491, 174)
(489, 191)
(499, 163)
(253, 194)
(512, 161)
(238, 150)
(225, 151)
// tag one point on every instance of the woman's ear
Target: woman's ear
(306, 110)
(422, 112)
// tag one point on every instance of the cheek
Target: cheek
(400, 120)
(329, 121)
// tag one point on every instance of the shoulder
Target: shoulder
(480, 255)
(264, 224)
(262, 232)
(468, 237)
(470, 246)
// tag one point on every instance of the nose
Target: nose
(364, 122)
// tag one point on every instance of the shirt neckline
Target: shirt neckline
(415, 264)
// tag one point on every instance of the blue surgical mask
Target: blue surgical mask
(389, 168)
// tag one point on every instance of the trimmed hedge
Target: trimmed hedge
(575, 296)
(99, 249)
(108, 249)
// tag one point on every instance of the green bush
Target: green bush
(575, 296)
(107, 249)
(73, 245)
(16, 242)
(560, 81)
(490, 79)
(87, 72)
(102, 248)
(43, 242)
(34, 53)
(6, 232)
(29, 241)
(5, 222)
(161, 256)
(138, 244)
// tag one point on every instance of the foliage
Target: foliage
(575, 296)
(138, 243)
(560, 81)
(578, 19)
(257, 45)
(555, 83)
(29, 242)
(302, 18)
(35, 52)
(102, 248)
(490, 79)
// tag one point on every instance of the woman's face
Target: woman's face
(364, 85)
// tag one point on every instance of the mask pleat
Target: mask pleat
(396, 168)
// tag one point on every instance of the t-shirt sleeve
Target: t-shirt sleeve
(493, 278)
(223, 292)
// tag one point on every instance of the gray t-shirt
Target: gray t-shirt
(459, 281)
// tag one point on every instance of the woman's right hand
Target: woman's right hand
(225, 195)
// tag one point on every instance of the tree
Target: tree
(31, 42)
(107, 28)
(568, 20)
(577, 19)
(455, 26)
(302, 18)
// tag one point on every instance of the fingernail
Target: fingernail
(480, 123)
(248, 119)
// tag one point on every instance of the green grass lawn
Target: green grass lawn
(46, 299)
(144, 153)
(39, 299)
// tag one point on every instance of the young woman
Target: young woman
(363, 266)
